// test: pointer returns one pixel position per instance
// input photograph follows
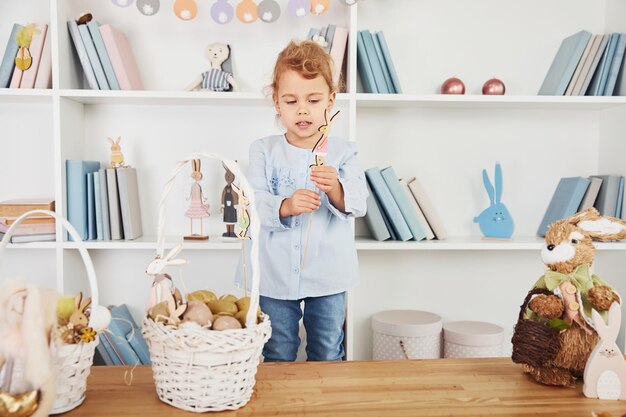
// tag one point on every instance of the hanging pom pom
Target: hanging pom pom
(222, 12)
(319, 6)
(185, 9)
(268, 11)
(299, 8)
(246, 11)
(122, 3)
(148, 7)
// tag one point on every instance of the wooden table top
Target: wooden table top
(440, 387)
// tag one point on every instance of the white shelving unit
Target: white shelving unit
(444, 140)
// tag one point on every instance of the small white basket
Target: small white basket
(203, 370)
(472, 339)
(72, 362)
(406, 334)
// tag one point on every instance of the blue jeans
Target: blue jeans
(323, 320)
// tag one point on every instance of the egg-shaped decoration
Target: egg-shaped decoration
(319, 6)
(148, 7)
(350, 2)
(246, 11)
(226, 323)
(222, 12)
(494, 87)
(122, 3)
(299, 8)
(185, 9)
(268, 11)
(453, 86)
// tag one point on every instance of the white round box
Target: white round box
(406, 334)
(472, 339)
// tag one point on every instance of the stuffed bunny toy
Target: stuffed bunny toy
(555, 332)
(605, 372)
(215, 79)
(495, 221)
(162, 285)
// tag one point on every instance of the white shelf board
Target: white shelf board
(471, 243)
(149, 242)
(25, 95)
(489, 102)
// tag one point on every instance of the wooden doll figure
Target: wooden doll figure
(243, 218)
(321, 146)
(197, 208)
(229, 200)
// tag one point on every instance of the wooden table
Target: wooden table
(442, 387)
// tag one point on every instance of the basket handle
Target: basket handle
(91, 272)
(255, 223)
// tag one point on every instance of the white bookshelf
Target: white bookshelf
(446, 141)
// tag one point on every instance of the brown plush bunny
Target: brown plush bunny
(555, 332)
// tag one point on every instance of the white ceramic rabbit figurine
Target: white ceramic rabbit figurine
(162, 283)
(605, 372)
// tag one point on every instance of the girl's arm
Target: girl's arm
(353, 187)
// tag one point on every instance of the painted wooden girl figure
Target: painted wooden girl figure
(197, 207)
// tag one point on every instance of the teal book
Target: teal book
(389, 62)
(76, 186)
(381, 58)
(8, 59)
(389, 205)
(98, 42)
(363, 66)
(91, 208)
(565, 201)
(94, 60)
(97, 197)
(564, 64)
(401, 198)
(375, 64)
(616, 65)
(374, 218)
(598, 81)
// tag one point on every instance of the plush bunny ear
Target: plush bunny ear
(599, 227)
(489, 187)
(498, 181)
(608, 332)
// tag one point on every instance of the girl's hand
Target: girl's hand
(302, 201)
(325, 178)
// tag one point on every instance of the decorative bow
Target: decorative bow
(580, 277)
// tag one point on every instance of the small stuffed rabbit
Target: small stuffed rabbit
(162, 283)
(605, 372)
(495, 221)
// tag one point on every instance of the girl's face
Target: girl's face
(300, 104)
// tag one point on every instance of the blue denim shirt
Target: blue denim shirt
(276, 170)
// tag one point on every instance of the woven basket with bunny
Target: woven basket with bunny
(556, 332)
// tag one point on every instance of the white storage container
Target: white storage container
(472, 339)
(406, 334)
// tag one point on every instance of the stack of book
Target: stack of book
(105, 55)
(374, 64)
(334, 39)
(39, 228)
(39, 74)
(399, 209)
(103, 204)
(122, 343)
(587, 64)
(573, 194)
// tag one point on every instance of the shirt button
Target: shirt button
(296, 246)
(297, 222)
(296, 270)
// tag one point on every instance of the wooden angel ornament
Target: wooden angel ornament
(198, 208)
(216, 78)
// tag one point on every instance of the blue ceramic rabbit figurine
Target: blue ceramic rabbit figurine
(495, 221)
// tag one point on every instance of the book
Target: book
(375, 63)
(338, 52)
(388, 203)
(330, 37)
(383, 64)
(590, 66)
(425, 203)
(29, 220)
(41, 237)
(620, 198)
(44, 72)
(8, 59)
(115, 215)
(122, 58)
(91, 208)
(29, 228)
(591, 194)
(606, 202)
(416, 208)
(18, 206)
(363, 66)
(128, 338)
(581, 64)
(565, 201)
(77, 201)
(36, 50)
(102, 356)
(81, 53)
(94, 60)
(616, 65)
(129, 202)
(97, 205)
(398, 194)
(598, 83)
(389, 62)
(374, 217)
(564, 64)
(104, 205)
(96, 36)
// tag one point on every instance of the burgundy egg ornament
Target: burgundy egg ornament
(453, 86)
(494, 87)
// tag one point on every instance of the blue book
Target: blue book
(330, 35)
(401, 198)
(94, 61)
(616, 65)
(363, 66)
(381, 58)
(374, 217)
(620, 198)
(564, 64)
(97, 197)
(8, 60)
(606, 202)
(81, 53)
(76, 177)
(598, 82)
(375, 64)
(104, 205)
(389, 205)
(126, 337)
(101, 351)
(565, 201)
(91, 208)
(98, 42)
(389, 62)
(106, 340)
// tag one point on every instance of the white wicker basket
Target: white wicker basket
(72, 361)
(203, 370)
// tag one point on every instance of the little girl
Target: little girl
(307, 251)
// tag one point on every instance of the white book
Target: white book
(420, 215)
(115, 215)
(129, 202)
(596, 40)
(579, 67)
(427, 208)
(42, 237)
(79, 47)
(97, 199)
(591, 194)
(104, 205)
